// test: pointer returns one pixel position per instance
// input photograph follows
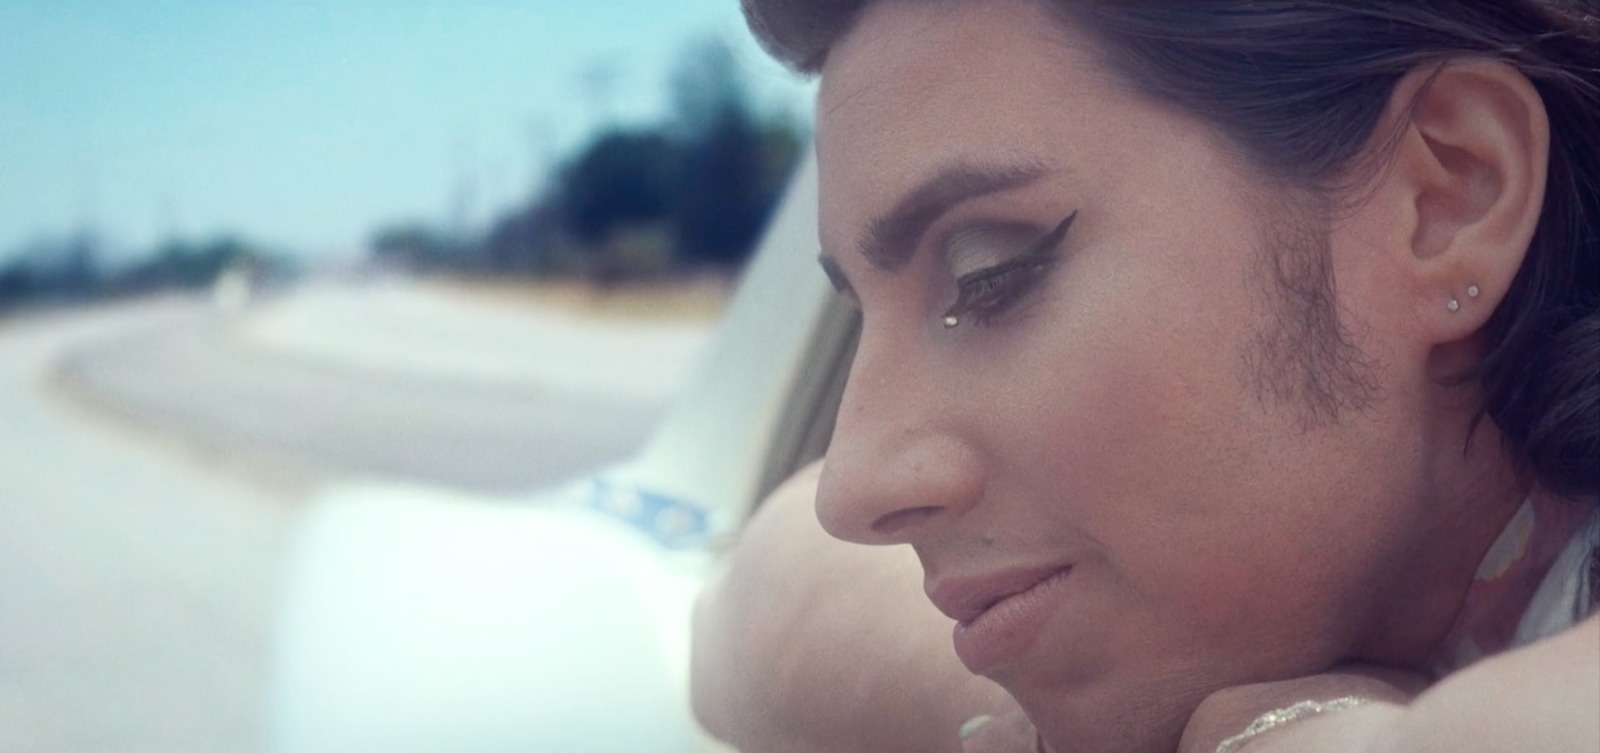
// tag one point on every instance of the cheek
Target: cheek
(1131, 385)
(1144, 437)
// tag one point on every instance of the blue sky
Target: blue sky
(306, 124)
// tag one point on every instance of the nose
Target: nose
(899, 467)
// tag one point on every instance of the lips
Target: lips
(998, 615)
(963, 599)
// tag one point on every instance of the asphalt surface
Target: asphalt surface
(152, 466)
(306, 419)
(135, 587)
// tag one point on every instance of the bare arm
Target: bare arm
(808, 644)
(1542, 698)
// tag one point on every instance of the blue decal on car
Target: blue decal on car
(673, 522)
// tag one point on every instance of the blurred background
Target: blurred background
(249, 249)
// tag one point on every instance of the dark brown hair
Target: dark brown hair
(1298, 86)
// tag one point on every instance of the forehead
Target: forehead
(918, 85)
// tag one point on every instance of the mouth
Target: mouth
(998, 615)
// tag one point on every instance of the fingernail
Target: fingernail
(972, 725)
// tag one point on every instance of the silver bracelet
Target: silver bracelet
(1279, 717)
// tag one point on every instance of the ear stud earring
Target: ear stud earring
(1455, 305)
(951, 321)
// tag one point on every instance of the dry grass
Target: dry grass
(691, 299)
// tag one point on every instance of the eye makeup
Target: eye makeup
(984, 294)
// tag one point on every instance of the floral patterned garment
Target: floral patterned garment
(1534, 581)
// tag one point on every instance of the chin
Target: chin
(1113, 697)
(1103, 720)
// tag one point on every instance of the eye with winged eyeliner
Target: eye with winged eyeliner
(989, 292)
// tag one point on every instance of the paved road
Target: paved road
(135, 586)
(312, 419)
(150, 471)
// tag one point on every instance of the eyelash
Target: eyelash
(983, 295)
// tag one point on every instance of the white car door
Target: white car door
(417, 619)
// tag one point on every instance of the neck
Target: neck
(1471, 491)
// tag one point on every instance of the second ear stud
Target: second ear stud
(1453, 305)
(1472, 291)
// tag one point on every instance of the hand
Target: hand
(1223, 714)
(1007, 732)
(1229, 711)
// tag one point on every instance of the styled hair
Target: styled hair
(1298, 87)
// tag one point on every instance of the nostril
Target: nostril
(899, 520)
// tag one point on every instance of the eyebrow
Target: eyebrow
(889, 240)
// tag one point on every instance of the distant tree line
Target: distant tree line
(73, 269)
(691, 193)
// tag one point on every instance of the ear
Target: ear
(1469, 165)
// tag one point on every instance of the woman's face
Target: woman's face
(1118, 425)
